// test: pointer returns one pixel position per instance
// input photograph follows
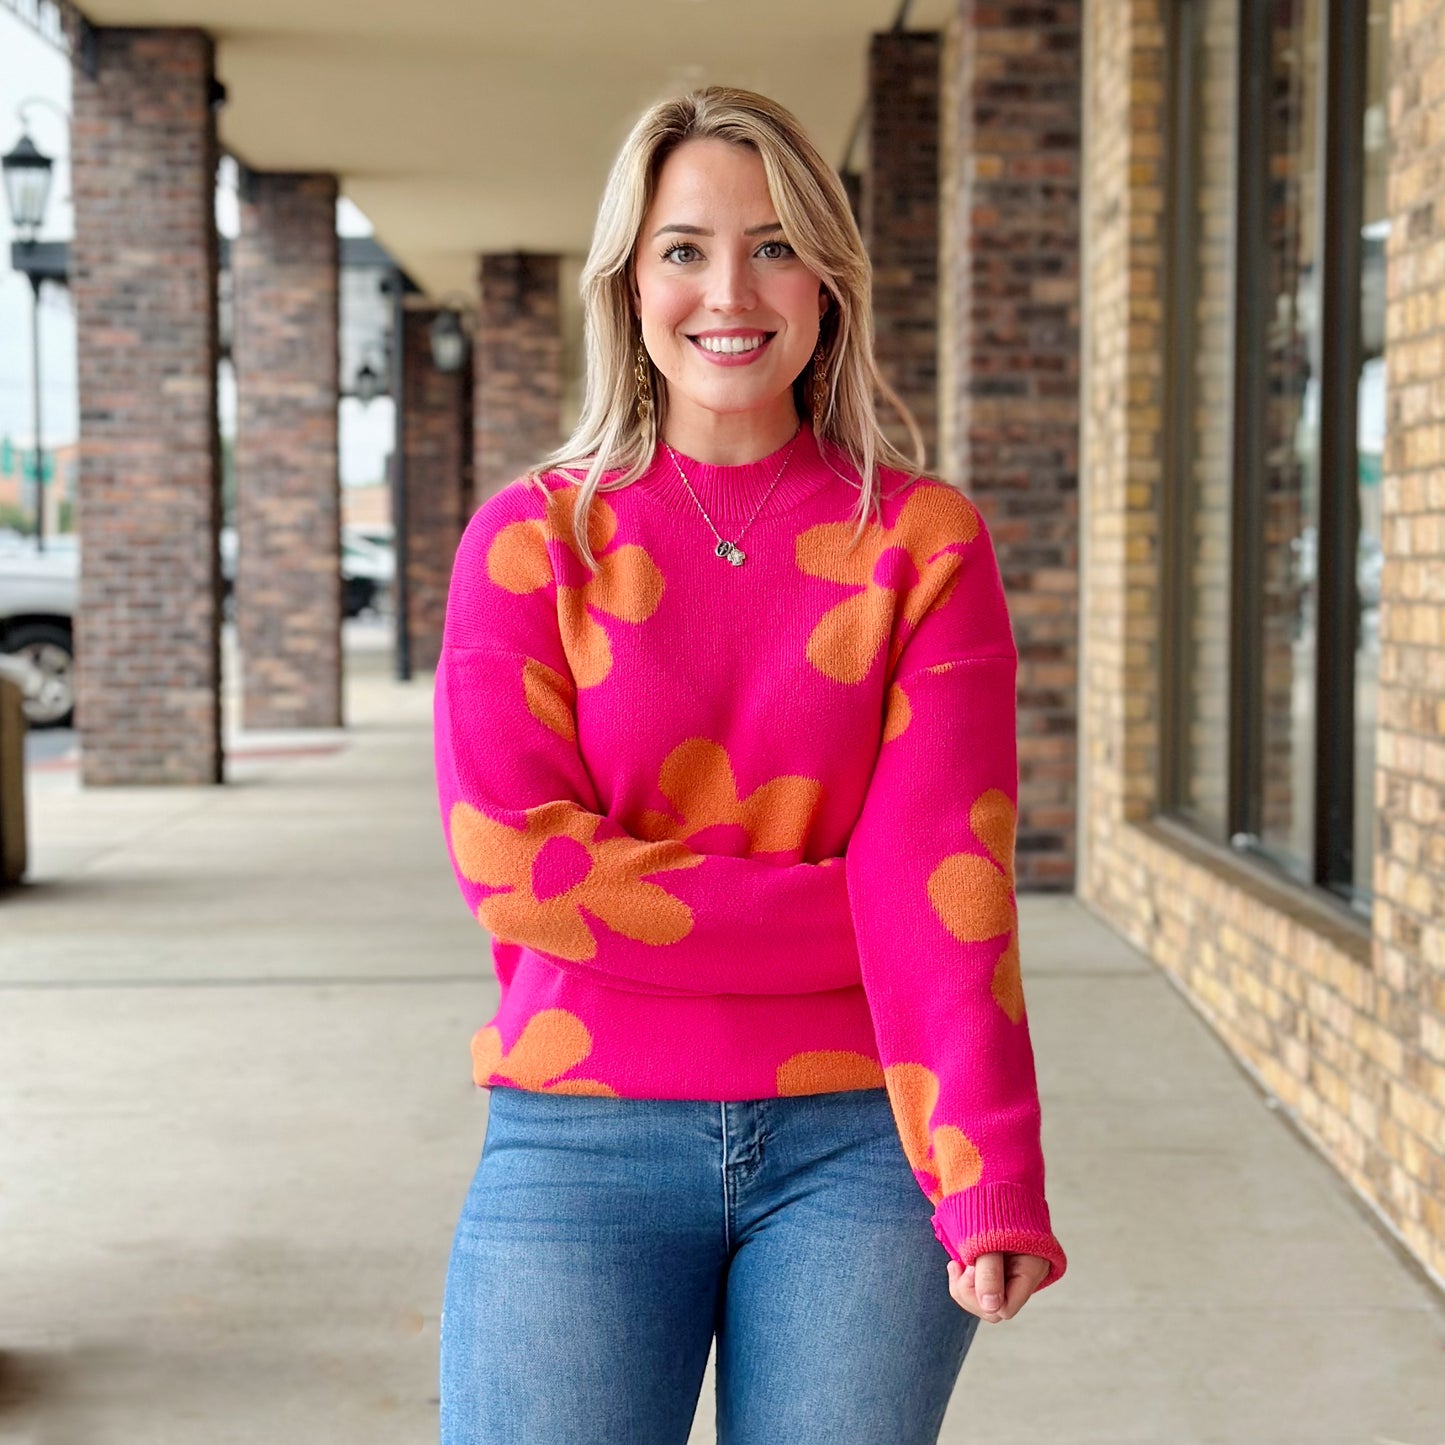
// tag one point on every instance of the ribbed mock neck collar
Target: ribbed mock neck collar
(735, 493)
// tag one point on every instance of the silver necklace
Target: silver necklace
(730, 551)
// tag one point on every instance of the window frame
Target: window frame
(1335, 361)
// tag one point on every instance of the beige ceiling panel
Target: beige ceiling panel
(465, 127)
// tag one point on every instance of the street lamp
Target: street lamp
(450, 333)
(27, 185)
(448, 341)
(27, 191)
(369, 384)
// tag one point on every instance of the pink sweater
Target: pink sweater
(747, 831)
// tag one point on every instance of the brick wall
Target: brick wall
(143, 282)
(1010, 367)
(1122, 399)
(288, 584)
(900, 222)
(1343, 1030)
(436, 407)
(518, 368)
(1402, 1026)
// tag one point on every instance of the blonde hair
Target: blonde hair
(817, 222)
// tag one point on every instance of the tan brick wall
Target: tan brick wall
(288, 492)
(1347, 1036)
(1009, 393)
(1408, 1011)
(143, 282)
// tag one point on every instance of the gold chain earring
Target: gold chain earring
(644, 388)
(820, 387)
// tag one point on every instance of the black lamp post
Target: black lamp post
(27, 191)
(448, 342)
(450, 332)
(368, 385)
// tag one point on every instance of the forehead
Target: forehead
(712, 177)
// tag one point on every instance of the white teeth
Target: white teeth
(730, 343)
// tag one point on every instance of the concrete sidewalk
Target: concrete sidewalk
(236, 1124)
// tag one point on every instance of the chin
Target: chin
(728, 401)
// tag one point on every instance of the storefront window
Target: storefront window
(1272, 524)
(1284, 821)
(1370, 437)
(1206, 451)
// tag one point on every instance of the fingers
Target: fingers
(996, 1286)
(1022, 1283)
(962, 1286)
(988, 1281)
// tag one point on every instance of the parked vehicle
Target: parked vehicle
(38, 596)
(40, 593)
(368, 570)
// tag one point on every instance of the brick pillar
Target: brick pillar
(1407, 1172)
(900, 221)
(143, 279)
(438, 492)
(518, 367)
(1010, 393)
(288, 501)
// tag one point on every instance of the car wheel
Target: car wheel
(357, 594)
(47, 647)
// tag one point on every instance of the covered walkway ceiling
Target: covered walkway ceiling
(462, 126)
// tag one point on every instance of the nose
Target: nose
(730, 286)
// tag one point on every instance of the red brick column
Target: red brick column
(438, 490)
(288, 500)
(900, 221)
(143, 279)
(1010, 391)
(518, 367)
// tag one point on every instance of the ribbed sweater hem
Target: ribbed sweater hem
(1002, 1217)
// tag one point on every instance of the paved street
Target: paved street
(236, 1122)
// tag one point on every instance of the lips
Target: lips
(732, 348)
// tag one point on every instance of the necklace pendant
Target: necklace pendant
(730, 552)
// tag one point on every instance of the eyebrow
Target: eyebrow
(685, 230)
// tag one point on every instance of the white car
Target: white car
(39, 592)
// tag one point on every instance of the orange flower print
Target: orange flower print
(974, 898)
(917, 558)
(552, 1042)
(628, 586)
(945, 1155)
(898, 714)
(697, 779)
(898, 709)
(555, 868)
(551, 698)
(828, 1071)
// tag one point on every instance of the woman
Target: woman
(726, 758)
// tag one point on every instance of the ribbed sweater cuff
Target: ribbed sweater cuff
(1004, 1217)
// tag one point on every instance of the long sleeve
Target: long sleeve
(931, 883)
(537, 860)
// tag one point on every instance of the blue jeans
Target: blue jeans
(604, 1242)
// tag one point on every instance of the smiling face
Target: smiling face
(729, 314)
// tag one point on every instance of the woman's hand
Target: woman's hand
(995, 1286)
